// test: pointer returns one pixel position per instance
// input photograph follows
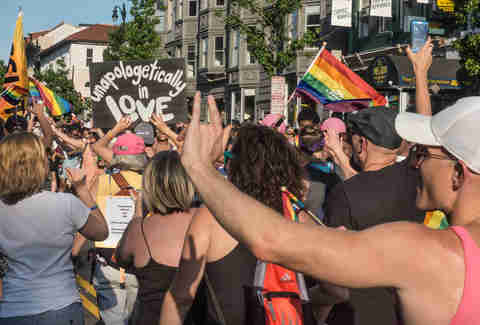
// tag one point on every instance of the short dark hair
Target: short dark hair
(308, 115)
(16, 123)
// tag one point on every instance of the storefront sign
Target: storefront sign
(381, 8)
(446, 5)
(381, 71)
(138, 89)
(443, 84)
(342, 13)
(277, 95)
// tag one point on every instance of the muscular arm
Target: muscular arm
(352, 259)
(76, 143)
(179, 298)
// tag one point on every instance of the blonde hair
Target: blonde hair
(167, 187)
(23, 167)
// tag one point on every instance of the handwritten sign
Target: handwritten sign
(138, 89)
(119, 211)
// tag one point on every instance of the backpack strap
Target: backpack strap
(216, 304)
(123, 184)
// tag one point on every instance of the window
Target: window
(204, 53)
(174, 12)
(161, 21)
(89, 56)
(219, 51)
(294, 26)
(220, 3)
(191, 60)
(180, 10)
(250, 58)
(363, 27)
(203, 4)
(384, 24)
(312, 18)
(192, 8)
(178, 52)
(235, 48)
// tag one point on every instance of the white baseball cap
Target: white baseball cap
(457, 129)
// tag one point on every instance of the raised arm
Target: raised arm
(421, 61)
(179, 298)
(38, 109)
(161, 126)
(101, 146)
(352, 259)
(75, 143)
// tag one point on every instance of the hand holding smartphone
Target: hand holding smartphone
(418, 34)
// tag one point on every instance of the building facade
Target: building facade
(77, 46)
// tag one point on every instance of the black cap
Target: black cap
(377, 124)
(146, 131)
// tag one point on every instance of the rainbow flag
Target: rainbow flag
(14, 94)
(56, 104)
(330, 82)
(436, 220)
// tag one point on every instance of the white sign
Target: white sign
(278, 95)
(342, 13)
(423, 1)
(119, 211)
(381, 8)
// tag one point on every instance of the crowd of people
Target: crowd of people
(204, 205)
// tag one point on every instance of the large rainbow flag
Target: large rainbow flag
(330, 82)
(56, 104)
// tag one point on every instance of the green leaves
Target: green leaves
(58, 81)
(136, 39)
(3, 70)
(267, 33)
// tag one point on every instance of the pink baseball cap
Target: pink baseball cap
(275, 121)
(334, 123)
(129, 144)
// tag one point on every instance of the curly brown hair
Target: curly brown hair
(263, 161)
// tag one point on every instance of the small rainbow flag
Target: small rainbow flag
(436, 220)
(56, 104)
(14, 94)
(330, 82)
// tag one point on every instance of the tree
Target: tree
(467, 13)
(135, 39)
(3, 70)
(267, 34)
(58, 81)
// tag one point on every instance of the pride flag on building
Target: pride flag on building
(330, 82)
(56, 104)
(15, 87)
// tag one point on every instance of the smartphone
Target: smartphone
(418, 34)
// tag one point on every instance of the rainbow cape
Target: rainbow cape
(330, 82)
(56, 104)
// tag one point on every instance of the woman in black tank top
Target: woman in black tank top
(263, 161)
(151, 246)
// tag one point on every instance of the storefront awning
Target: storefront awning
(387, 72)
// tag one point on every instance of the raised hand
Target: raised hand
(123, 124)
(159, 123)
(422, 60)
(204, 143)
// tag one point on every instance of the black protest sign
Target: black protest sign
(138, 89)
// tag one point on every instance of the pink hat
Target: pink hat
(334, 123)
(273, 121)
(129, 144)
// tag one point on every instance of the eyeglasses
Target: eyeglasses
(419, 153)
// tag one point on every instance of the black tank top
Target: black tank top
(228, 276)
(154, 279)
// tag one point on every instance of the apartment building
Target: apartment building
(218, 60)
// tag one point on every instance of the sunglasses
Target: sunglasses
(419, 153)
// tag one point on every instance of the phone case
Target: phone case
(419, 34)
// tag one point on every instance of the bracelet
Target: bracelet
(95, 207)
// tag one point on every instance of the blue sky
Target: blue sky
(45, 14)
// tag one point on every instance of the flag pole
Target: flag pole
(324, 44)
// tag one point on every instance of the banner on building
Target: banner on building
(138, 89)
(446, 5)
(342, 13)
(381, 8)
(278, 95)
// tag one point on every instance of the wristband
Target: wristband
(95, 207)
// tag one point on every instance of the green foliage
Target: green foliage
(467, 13)
(59, 82)
(3, 70)
(135, 39)
(267, 34)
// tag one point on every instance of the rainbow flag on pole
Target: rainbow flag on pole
(56, 104)
(330, 82)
